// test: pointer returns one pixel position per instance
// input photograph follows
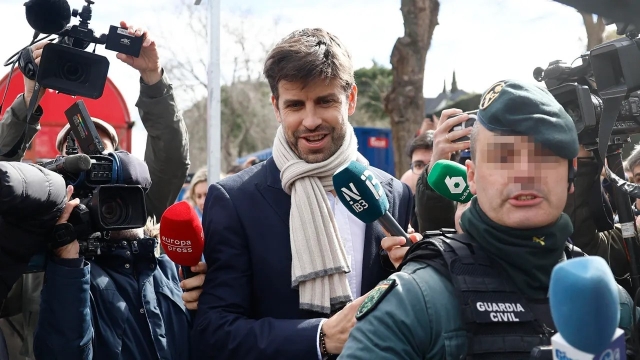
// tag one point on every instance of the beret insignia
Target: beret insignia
(491, 94)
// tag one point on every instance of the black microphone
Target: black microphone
(48, 16)
(72, 164)
(361, 193)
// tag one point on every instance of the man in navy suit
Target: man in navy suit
(289, 265)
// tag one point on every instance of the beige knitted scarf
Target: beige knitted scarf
(319, 262)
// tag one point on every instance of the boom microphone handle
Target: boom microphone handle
(627, 219)
(72, 164)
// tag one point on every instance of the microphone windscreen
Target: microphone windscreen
(48, 16)
(449, 179)
(181, 234)
(360, 192)
(584, 302)
(77, 163)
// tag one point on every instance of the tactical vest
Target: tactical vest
(500, 322)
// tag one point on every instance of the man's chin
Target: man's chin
(314, 158)
(528, 218)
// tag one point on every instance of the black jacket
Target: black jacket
(31, 201)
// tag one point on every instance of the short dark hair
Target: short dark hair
(307, 55)
(422, 141)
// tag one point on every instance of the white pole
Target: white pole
(213, 103)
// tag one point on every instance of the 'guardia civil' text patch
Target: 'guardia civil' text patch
(377, 294)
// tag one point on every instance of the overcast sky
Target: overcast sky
(482, 40)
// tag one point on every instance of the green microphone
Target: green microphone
(362, 194)
(449, 179)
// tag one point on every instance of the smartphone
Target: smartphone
(467, 124)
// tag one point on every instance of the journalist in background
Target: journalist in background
(285, 256)
(523, 150)
(166, 154)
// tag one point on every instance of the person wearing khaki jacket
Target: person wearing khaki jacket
(166, 155)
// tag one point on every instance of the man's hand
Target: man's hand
(148, 63)
(427, 124)
(193, 286)
(443, 144)
(29, 84)
(337, 328)
(69, 251)
(393, 245)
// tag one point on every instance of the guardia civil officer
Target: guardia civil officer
(522, 159)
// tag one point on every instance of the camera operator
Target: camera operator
(123, 304)
(166, 155)
(606, 244)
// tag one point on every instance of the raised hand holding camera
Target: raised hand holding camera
(444, 139)
(29, 83)
(148, 62)
(67, 68)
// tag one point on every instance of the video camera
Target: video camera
(107, 203)
(64, 65)
(602, 96)
(609, 71)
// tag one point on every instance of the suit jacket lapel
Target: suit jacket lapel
(273, 193)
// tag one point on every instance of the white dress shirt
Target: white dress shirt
(351, 232)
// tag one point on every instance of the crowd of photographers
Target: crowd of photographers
(130, 302)
(148, 305)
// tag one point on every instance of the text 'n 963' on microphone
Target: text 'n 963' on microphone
(362, 194)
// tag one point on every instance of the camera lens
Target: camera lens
(73, 72)
(114, 212)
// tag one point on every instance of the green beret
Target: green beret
(513, 107)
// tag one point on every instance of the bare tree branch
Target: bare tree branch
(247, 118)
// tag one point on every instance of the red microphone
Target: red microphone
(181, 236)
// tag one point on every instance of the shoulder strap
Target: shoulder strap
(428, 251)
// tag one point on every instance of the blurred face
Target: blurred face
(518, 183)
(314, 118)
(106, 141)
(200, 194)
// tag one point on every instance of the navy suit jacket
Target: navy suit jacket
(248, 309)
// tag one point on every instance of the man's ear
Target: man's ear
(573, 166)
(353, 99)
(276, 111)
(471, 176)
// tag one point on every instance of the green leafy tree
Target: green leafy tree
(373, 85)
